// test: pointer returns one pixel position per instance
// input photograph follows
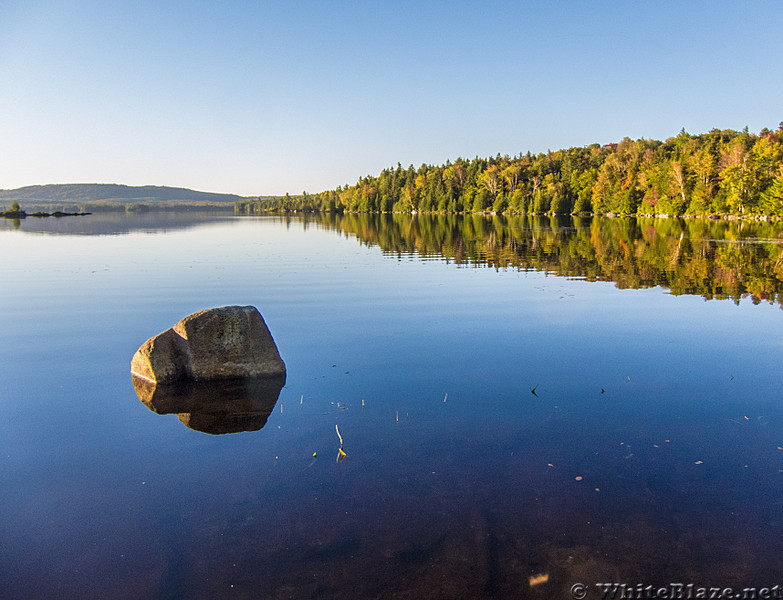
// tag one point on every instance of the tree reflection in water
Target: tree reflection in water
(715, 259)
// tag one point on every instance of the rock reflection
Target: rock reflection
(214, 407)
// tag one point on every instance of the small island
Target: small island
(16, 212)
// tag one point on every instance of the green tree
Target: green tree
(772, 197)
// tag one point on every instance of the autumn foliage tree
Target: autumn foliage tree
(720, 172)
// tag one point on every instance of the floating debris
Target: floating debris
(533, 390)
(578, 478)
(337, 429)
(446, 396)
(314, 453)
(538, 579)
(699, 462)
(340, 452)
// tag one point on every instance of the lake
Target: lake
(524, 404)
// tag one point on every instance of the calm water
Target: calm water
(651, 451)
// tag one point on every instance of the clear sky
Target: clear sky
(261, 97)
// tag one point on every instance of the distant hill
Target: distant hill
(92, 194)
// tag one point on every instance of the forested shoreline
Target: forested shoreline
(722, 173)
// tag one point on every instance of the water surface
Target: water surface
(649, 452)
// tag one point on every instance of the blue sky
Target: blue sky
(273, 97)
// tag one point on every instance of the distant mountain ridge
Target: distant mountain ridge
(112, 193)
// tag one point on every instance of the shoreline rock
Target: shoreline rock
(218, 343)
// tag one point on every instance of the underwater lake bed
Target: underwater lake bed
(475, 407)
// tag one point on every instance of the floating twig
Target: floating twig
(337, 429)
(340, 451)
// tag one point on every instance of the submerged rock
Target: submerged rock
(217, 343)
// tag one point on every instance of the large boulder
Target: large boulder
(217, 343)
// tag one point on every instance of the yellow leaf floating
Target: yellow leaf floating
(539, 579)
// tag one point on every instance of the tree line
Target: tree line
(723, 172)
